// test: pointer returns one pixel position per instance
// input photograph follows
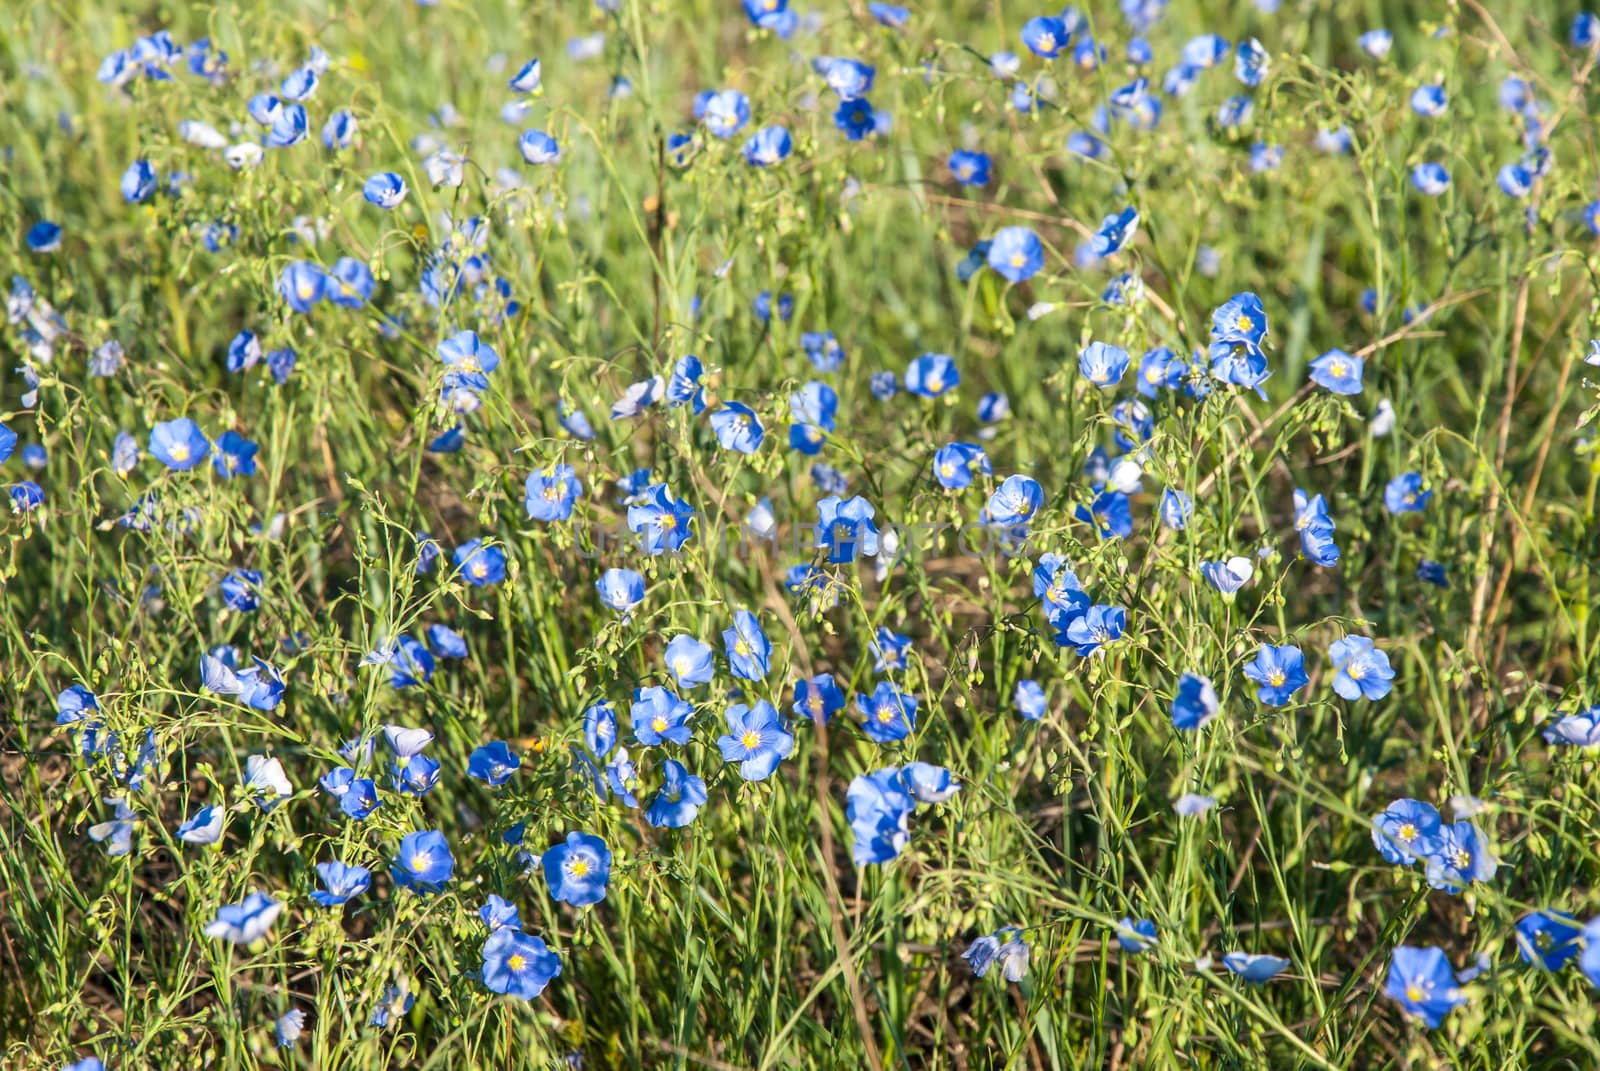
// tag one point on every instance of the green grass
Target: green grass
(749, 940)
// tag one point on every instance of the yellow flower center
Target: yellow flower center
(658, 723)
(517, 961)
(1276, 678)
(578, 867)
(751, 739)
(180, 451)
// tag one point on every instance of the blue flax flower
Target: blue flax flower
(518, 965)
(756, 739)
(1406, 831)
(1422, 982)
(681, 796)
(578, 870)
(748, 649)
(659, 716)
(888, 714)
(1363, 670)
(1279, 671)
(340, 883)
(424, 864)
(1548, 939)
(878, 808)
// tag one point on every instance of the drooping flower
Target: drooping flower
(620, 589)
(845, 528)
(681, 796)
(1195, 703)
(878, 808)
(385, 189)
(768, 146)
(738, 428)
(1030, 700)
(493, 763)
(1135, 936)
(1252, 967)
(1581, 729)
(245, 922)
(748, 649)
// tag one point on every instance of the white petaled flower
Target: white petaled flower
(266, 782)
(202, 135)
(1125, 476)
(244, 155)
(1382, 422)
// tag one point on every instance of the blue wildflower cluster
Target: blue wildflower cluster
(766, 534)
